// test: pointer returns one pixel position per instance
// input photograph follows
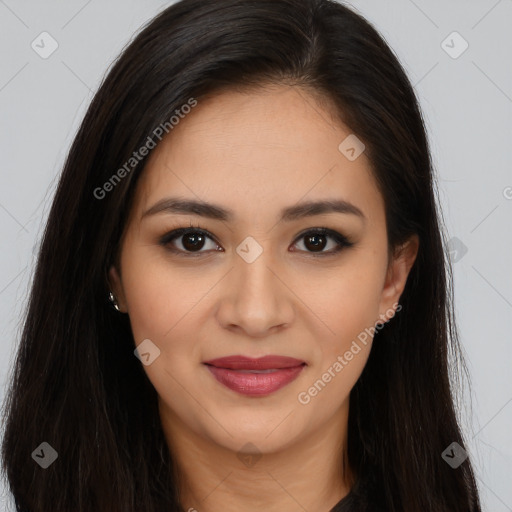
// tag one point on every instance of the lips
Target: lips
(256, 377)
(262, 363)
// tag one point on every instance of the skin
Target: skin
(256, 153)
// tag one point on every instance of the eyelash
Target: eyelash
(341, 240)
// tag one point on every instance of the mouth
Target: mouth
(255, 377)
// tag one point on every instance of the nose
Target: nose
(257, 300)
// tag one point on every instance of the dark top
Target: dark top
(356, 501)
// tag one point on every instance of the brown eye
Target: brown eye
(188, 240)
(193, 241)
(316, 240)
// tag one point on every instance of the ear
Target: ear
(396, 277)
(116, 287)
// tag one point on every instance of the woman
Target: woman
(252, 191)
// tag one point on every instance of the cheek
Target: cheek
(160, 297)
(348, 300)
(348, 307)
(162, 303)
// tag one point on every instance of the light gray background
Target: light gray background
(467, 102)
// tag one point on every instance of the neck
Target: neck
(309, 474)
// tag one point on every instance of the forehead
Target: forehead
(258, 151)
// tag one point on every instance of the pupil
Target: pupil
(314, 240)
(196, 241)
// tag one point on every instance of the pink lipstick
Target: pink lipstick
(255, 377)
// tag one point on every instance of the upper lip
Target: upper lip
(238, 362)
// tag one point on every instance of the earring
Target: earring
(113, 300)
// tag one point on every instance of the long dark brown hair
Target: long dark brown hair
(76, 384)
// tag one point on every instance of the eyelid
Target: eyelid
(342, 241)
(166, 239)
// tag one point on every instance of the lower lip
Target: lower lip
(255, 384)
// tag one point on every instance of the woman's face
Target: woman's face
(263, 281)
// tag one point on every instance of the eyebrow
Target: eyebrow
(216, 212)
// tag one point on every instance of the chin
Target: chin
(268, 433)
